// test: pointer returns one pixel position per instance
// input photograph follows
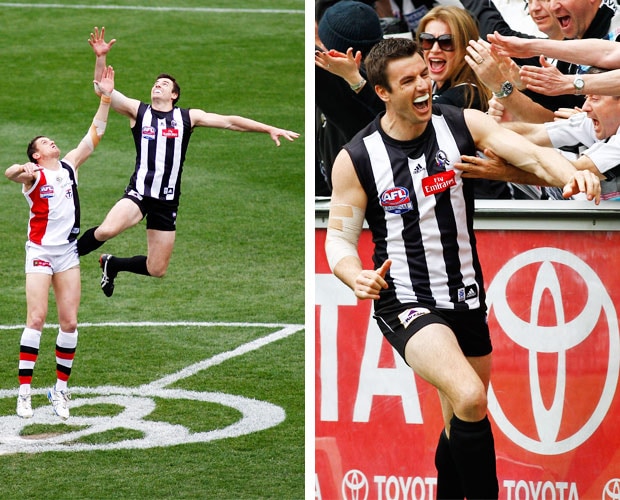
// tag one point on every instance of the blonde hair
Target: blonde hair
(463, 28)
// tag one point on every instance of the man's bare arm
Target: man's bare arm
(588, 51)
(346, 218)
(90, 141)
(101, 49)
(544, 162)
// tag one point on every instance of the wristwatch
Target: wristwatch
(504, 91)
(579, 84)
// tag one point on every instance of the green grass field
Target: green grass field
(191, 386)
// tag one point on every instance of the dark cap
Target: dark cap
(350, 24)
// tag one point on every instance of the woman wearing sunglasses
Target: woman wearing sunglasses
(443, 35)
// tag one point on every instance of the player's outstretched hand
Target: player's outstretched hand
(98, 43)
(276, 133)
(106, 85)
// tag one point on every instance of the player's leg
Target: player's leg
(123, 215)
(37, 290)
(435, 355)
(473, 446)
(160, 246)
(160, 235)
(67, 292)
(449, 486)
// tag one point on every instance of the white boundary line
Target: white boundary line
(214, 10)
(137, 403)
(163, 323)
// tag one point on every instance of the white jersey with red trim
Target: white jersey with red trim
(54, 206)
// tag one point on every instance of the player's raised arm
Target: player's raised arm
(90, 141)
(101, 49)
(120, 103)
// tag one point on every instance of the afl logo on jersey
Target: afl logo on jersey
(148, 133)
(396, 200)
(46, 191)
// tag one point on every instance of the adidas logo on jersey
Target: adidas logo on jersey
(418, 169)
(469, 292)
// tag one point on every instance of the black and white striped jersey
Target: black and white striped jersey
(161, 140)
(420, 211)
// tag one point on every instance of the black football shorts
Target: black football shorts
(469, 327)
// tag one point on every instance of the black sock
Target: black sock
(136, 265)
(87, 242)
(473, 450)
(448, 481)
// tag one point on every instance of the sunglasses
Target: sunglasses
(446, 42)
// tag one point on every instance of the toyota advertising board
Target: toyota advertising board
(553, 287)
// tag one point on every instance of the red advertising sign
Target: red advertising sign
(553, 400)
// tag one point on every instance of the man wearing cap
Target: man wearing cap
(343, 108)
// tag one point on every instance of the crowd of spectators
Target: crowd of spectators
(554, 69)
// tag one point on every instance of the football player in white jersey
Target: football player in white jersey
(49, 183)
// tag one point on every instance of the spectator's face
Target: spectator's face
(574, 16)
(545, 21)
(604, 111)
(441, 63)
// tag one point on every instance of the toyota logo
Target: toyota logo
(354, 486)
(558, 340)
(612, 490)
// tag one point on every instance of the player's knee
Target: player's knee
(156, 271)
(472, 404)
(104, 233)
(36, 322)
(68, 326)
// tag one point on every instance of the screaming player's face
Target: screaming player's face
(409, 96)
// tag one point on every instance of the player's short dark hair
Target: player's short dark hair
(175, 86)
(32, 149)
(388, 49)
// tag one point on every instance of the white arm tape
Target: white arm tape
(94, 134)
(99, 126)
(343, 233)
